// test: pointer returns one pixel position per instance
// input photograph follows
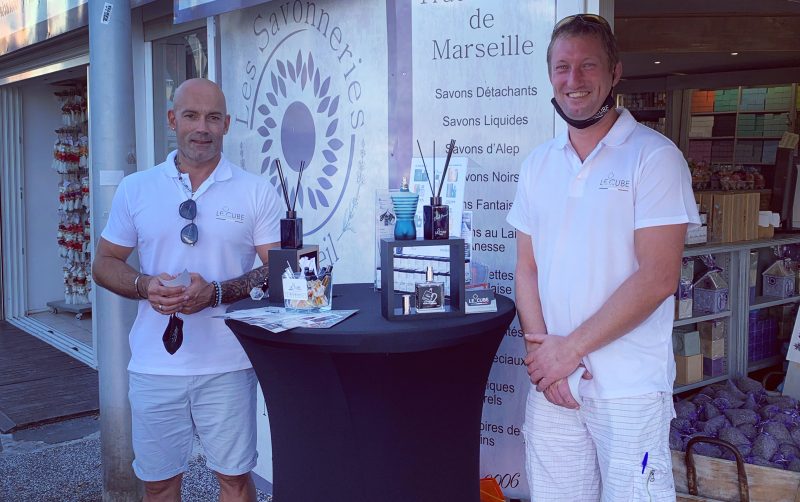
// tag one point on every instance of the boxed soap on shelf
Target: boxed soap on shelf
(688, 369)
(712, 349)
(712, 330)
(685, 342)
(715, 367)
(778, 280)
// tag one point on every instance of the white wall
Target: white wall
(41, 116)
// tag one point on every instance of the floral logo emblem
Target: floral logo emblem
(300, 120)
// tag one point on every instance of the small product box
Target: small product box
(687, 270)
(683, 307)
(698, 235)
(715, 367)
(711, 293)
(712, 349)
(712, 330)
(752, 277)
(778, 280)
(685, 343)
(762, 335)
(688, 369)
(683, 297)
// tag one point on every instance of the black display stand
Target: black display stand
(389, 298)
(371, 410)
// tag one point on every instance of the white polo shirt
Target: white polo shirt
(581, 217)
(236, 211)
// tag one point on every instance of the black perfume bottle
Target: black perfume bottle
(291, 231)
(436, 220)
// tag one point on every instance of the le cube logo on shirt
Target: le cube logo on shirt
(226, 213)
(302, 99)
(611, 182)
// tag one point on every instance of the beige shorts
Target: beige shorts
(167, 410)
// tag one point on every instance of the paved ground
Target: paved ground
(61, 463)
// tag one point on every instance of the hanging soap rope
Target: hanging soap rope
(70, 156)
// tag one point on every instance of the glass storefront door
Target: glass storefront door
(175, 59)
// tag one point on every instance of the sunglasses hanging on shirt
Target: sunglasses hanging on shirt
(188, 211)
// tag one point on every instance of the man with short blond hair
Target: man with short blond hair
(601, 213)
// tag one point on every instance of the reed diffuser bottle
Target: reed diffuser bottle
(291, 226)
(436, 219)
(436, 216)
(291, 231)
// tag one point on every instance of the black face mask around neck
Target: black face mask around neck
(608, 104)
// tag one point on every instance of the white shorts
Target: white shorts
(597, 452)
(166, 411)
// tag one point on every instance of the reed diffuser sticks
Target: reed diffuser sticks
(427, 174)
(290, 207)
(450, 147)
(437, 192)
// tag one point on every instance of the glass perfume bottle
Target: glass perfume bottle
(430, 294)
(436, 220)
(291, 231)
(405, 205)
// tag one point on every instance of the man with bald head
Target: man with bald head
(197, 212)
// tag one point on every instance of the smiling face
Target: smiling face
(581, 74)
(200, 120)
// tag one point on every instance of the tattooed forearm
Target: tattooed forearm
(236, 289)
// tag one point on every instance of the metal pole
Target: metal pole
(112, 148)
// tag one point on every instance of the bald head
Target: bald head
(200, 119)
(200, 89)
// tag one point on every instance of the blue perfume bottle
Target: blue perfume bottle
(405, 206)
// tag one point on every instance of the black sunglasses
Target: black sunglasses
(188, 211)
(586, 18)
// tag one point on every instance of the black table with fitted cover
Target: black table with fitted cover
(372, 410)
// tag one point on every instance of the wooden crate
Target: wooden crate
(732, 214)
(717, 480)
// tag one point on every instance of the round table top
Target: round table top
(367, 330)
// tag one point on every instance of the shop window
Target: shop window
(175, 59)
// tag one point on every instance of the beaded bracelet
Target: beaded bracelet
(217, 294)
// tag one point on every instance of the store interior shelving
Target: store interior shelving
(735, 260)
(739, 125)
(649, 108)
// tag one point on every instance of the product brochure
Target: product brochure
(278, 319)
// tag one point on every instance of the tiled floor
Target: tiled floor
(65, 322)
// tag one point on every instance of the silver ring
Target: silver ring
(160, 307)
